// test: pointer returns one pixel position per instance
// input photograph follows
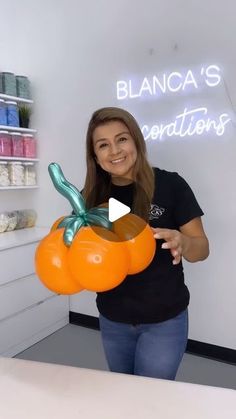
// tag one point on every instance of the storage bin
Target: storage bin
(12, 220)
(12, 114)
(30, 174)
(5, 144)
(16, 173)
(3, 112)
(4, 174)
(3, 221)
(31, 216)
(29, 146)
(23, 87)
(17, 144)
(8, 83)
(21, 219)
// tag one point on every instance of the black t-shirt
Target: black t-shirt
(158, 293)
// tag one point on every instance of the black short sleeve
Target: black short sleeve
(186, 207)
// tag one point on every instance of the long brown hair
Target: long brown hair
(98, 181)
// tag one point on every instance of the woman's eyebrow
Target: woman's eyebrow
(121, 133)
(100, 139)
(117, 135)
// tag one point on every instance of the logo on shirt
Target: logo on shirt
(155, 212)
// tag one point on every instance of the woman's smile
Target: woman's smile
(121, 160)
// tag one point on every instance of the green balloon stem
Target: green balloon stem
(66, 189)
(82, 217)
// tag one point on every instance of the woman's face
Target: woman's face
(115, 149)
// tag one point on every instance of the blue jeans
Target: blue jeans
(151, 350)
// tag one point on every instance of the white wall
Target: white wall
(74, 52)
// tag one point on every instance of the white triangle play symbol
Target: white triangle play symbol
(116, 209)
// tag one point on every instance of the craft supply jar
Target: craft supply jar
(29, 146)
(5, 144)
(16, 173)
(31, 216)
(21, 219)
(30, 174)
(3, 112)
(8, 83)
(12, 113)
(12, 220)
(17, 142)
(4, 174)
(23, 87)
(3, 221)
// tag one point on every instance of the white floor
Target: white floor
(82, 347)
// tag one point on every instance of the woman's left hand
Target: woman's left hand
(190, 242)
(173, 241)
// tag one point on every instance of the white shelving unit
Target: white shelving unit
(28, 310)
(17, 129)
(15, 99)
(18, 187)
(24, 300)
(3, 158)
(11, 158)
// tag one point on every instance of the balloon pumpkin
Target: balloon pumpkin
(139, 240)
(86, 251)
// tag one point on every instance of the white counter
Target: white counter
(21, 237)
(32, 390)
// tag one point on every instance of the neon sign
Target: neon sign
(172, 82)
(196, 121)
(187, 124)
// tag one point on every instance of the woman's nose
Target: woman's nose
(115, 149)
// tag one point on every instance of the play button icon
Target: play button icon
(125, 221)
(116, 209)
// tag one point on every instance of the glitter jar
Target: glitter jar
(3, 221)
(5, 143)
(16, 173)
(29, 145)
(12, 114)
(8, 83)
(3, 112)
(4, 174)
(12, 220)
(30, 174)
(17, 144)
(23, 87)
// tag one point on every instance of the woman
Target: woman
(144, 321)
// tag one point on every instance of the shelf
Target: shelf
(17, 129)
(15, 98)
(2, 188)
(11, 158)
(21, 237)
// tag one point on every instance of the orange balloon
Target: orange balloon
(139, 239)
(98, 259)
(51, 263)
(104, 205)
(56, 223)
